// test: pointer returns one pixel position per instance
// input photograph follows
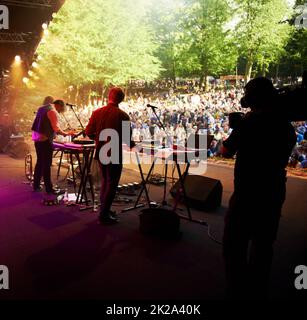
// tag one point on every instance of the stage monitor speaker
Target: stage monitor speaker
(202, 193)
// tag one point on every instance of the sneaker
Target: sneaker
(55, 191)
(107, 220)
(113, 214)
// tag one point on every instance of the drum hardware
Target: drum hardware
(156, 179)
(29, 173)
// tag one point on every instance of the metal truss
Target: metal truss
(6, 37)
(30, 3)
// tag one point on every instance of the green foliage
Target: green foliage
(94, 41)
(261, 33)
(294, 59)
(210, 46)
(164, 18)
(193, 37)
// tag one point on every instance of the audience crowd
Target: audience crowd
(183, 111)
(186, 113)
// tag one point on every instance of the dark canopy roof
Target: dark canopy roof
(25, 26)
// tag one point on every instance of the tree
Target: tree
(209, 48)
(260, 32)
(105, 42)
(296, 51)
(294, 58)
(164, 19)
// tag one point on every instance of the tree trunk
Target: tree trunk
(204, 81)
(104, 91)
(263, 71)
(89, 99)
(201, 81)
(77, 95)
(204, 71)
(277, 72)
(174, 73)
(248, 70)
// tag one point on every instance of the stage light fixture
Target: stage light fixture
(35, 64)
(45, 26)
(25, 80)
(17, 58)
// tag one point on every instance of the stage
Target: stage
(59, 252)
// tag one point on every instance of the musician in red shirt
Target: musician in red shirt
(103, 121)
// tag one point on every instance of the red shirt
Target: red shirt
(108, 117)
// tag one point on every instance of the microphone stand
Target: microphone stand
(69, 126)
(182, 177)
(158, 118)
(87, 161)
(169, 140)
(144, 181)
(77, 117)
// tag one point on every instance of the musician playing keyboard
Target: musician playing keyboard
(110, 117)
(45, 127)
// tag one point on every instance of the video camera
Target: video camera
(293, 101)
(288, 102)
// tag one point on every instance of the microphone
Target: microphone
(70, 105)
(152, 107)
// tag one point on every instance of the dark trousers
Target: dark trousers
(249, 235)
(110, 176)
(44, 153)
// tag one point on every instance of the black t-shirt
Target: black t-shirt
(263, 144)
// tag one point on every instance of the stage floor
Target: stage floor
(60, 252)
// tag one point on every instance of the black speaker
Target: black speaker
(202, 193)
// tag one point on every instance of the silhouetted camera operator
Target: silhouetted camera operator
(259, 189)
